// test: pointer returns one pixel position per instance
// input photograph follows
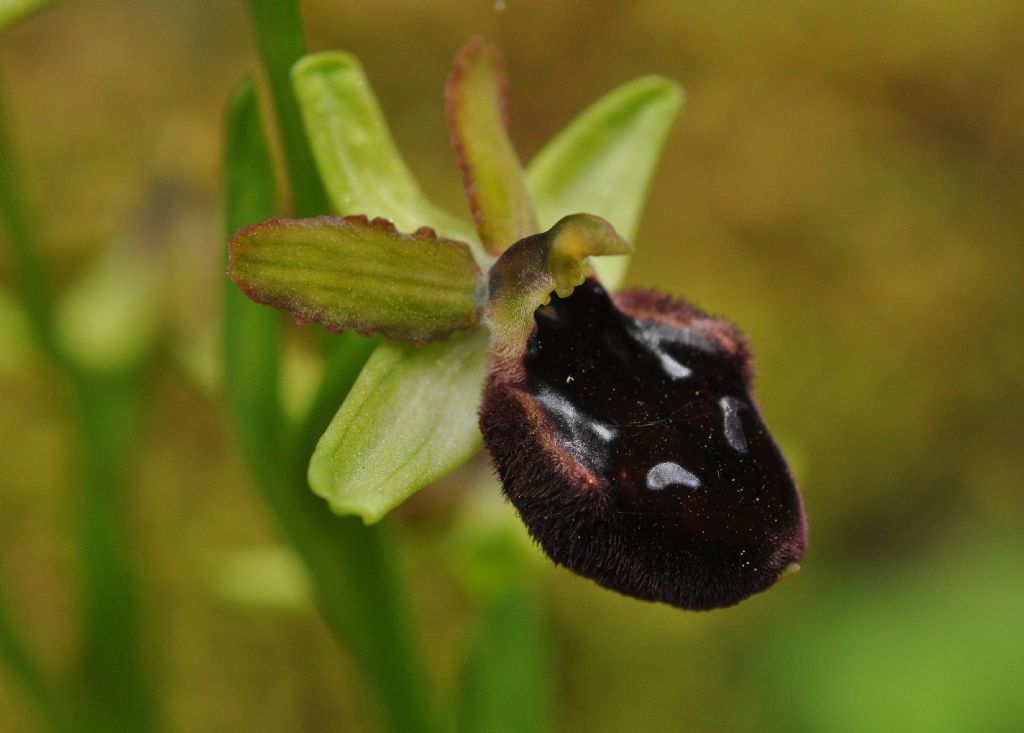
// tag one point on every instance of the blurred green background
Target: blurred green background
(845, 182)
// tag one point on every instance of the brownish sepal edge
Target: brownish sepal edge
(475, 46)
(425, 234)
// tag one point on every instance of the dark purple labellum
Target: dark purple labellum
(629, 443)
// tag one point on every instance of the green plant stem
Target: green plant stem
(278, 29)
(119, 698)
(358, 572)
(353, 567)
(359, 593)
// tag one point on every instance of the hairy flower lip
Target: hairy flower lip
(654, 305)
(576, 515)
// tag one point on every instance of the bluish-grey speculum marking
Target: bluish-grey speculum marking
(673, 368)
(584, 439)
(668, 474)
(733, 426)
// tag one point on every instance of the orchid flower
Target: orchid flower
(621, 424)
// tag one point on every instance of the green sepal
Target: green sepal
(359, 163)
(602, 163)
(358, 273)
(410, 418)
(475, 103)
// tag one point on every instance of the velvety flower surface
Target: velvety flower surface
(622, 426)
(625, 435)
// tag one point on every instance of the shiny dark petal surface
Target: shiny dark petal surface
(665, 484)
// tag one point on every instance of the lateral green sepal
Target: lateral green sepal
(360, 273)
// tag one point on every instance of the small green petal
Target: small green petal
(410, 418)
(359, 163)
(475, 99)
(602, 163)
(356, 273)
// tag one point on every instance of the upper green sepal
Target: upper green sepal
(359, 162)
(475, 103)
(360, 273)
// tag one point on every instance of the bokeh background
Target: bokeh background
(845, 182)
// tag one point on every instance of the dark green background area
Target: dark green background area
(845, 183)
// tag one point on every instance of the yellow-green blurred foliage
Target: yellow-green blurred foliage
(846, 183)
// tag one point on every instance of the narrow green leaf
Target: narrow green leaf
(120, 693)
(358, 273)
(11, 11)
(602, 163)
(359, 163)
(251, 335)
(410, 418)
(475, 101)
(278, 27)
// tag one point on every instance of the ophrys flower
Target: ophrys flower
(622, 426)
